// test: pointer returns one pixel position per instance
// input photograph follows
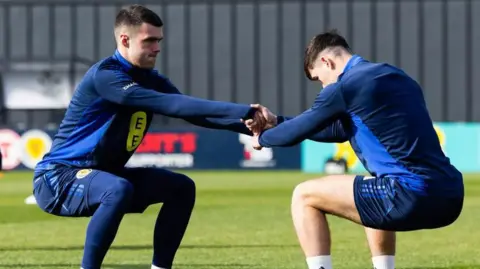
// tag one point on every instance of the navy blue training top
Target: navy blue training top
(382, 112)
(111, 111)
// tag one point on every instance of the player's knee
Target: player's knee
(301, 194)
(186, 188)
(119, 192)
(188, 185)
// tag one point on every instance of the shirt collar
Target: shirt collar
(354, 60)
(130, 67)
(127, 65)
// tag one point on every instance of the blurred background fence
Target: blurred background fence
(240, 51)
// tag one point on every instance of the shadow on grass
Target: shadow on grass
(196, 266)
(449, 267)
(139, 247)
(186, 266)
(133, 266)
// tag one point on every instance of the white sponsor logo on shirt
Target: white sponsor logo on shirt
(126, 87)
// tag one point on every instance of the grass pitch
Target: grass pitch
(241, 220)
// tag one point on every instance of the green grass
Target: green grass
(241, 220)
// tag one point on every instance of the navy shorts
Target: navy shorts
(73, 192)
(385, 204)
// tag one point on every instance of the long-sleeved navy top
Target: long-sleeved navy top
(112, 108)
(381, 111)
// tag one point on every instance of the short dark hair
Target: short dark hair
(135, 15)
(319, 43)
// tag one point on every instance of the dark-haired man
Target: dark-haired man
(381, 111)
(84, 175)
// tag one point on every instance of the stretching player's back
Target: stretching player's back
(381, 111)
(389, 113)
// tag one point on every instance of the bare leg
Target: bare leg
(312, 229)
(311, 201)
(382, 247)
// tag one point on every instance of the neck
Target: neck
(124, 54)
(343, 61)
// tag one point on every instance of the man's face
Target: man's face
(143, 45)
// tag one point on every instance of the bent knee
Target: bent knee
(185, 186)
(332, 194)
(303, 193)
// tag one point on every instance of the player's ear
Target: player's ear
(125, 40)
(325, 61)
(328, 62)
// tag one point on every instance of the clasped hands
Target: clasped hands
(262, 120)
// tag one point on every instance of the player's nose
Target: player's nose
(156, 48)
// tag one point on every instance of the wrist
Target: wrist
(250, 114)
(279, 119)
(259, 137)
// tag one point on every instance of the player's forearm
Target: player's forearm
(328, 107)
(117, 87)
(233, 125)
(281, 119)
(284, 135)
(182, 106)
(334, 133)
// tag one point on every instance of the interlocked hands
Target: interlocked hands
(264, 119)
